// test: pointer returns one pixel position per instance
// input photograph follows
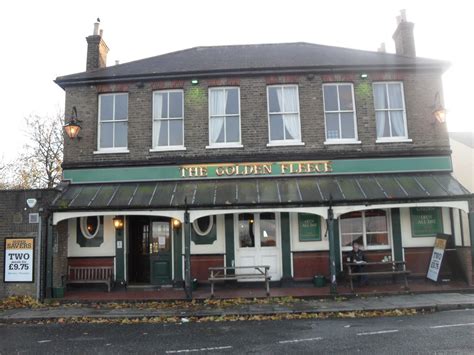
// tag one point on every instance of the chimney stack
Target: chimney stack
(382, 48)
(403, 36)
(96, 49)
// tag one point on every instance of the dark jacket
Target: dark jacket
(357, 256)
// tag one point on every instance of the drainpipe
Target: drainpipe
(187, 254)
(332, 251)
(39, 256)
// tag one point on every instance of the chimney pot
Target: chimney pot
(96, 29)
(382, 48)
(117, 62)
(403, 15)
(101, 32)
(404, 37)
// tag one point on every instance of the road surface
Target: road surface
(441, 332)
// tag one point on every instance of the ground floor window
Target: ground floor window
(368, 228)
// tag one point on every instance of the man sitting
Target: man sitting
(357, 256)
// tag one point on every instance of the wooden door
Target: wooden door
(160, 252)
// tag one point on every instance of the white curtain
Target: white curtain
(398, 124)
(218, 106)
(291, 121)
(161, 132)
(396, 107)
(158, 108)
(380, 100)
(380, 122)
(380, 97)
(395, 96)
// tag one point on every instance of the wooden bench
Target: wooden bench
(220, 274)
(397, 268)
(90, 274)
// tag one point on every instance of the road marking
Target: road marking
(200, 349)
(299, 340)
(450, 325)
(379, 332)
(43, 341)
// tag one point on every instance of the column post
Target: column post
(471, 234)
(332, 251)
(49, 257)
(187, 256)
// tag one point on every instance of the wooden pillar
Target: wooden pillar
(332, 251)
(187, 257)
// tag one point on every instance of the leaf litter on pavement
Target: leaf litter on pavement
(15, 302)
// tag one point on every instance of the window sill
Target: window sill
(397, 140)
(224, 146)
(339, 142)
(111, 151)
(284, 144)
(373, 248)
(167, 149)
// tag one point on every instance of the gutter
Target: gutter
(63, 81)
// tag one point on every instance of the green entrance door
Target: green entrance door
(160, 252)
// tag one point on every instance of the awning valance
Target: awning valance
(262, 192)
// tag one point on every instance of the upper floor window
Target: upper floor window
(224, 117)
(113, 122)
(390, 111)
(168, 119)
(284, 114)
(339, 112)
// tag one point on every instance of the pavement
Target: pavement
(432, 301)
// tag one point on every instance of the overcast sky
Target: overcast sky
(45, 39)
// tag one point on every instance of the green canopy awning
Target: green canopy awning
(255, 192)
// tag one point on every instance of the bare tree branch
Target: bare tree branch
(39, 164)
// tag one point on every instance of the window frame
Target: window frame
(284, 142)
(225, 144)
(83, 227)
(354, 140)
(110, 149)
(391, 138)
(158, 148)
(364, 233)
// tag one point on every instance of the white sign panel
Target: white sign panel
(436, 259)
(18, 260)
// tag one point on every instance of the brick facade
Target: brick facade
(14, 222)
(420, 88)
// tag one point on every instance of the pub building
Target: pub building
(246, 155)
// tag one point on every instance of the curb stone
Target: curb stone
(201, 314)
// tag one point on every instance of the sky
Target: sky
(45, 39)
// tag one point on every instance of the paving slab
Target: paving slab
(442, 301)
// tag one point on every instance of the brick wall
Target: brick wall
(14, 222)
(60, 254)
(420, 88)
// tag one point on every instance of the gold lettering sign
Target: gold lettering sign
(256, 169)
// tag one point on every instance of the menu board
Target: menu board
(309, 227)
(437, 257)
(426, 221)
(18, 260)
